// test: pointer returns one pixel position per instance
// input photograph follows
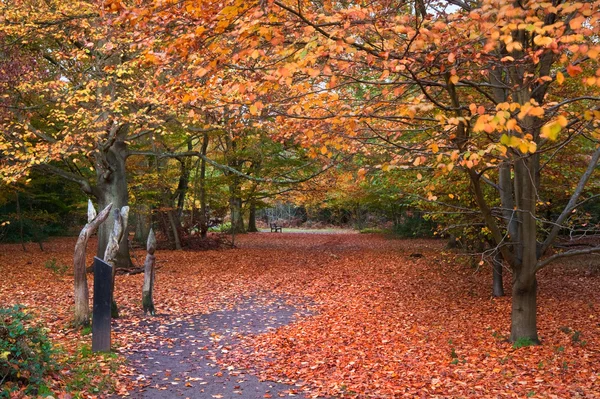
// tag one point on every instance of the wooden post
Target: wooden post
(102, 306)
(110, 255)
(147, 301)
(82, 300)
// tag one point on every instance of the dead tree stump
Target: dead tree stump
(110, 255)
(147, 301)
(82, 300)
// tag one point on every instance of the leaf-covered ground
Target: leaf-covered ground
(383, 325)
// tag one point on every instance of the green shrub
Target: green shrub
(414, 225)
(25, 351)
(222, 228)
(55, 267)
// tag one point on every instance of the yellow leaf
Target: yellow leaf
(514, 141)
(454, 79)
(523, 147)
(254, 109)
(560, 78)
(550, 131)
(434, 148)
(562, 121)
(532, 147)
(4, 355)
(324, 150)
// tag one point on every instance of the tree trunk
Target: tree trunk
(112, 188)
(252, 218)
(203, 210)
(237, 222)
(497, 287)
(143, 223)
(524, 309)
(173, 222)
(20, 217)
(148, 288)
(82, 301)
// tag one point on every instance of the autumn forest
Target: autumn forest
(312, 198)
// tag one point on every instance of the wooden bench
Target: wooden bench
(275, 228)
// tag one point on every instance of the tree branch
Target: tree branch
(572, 201)
(574, 252)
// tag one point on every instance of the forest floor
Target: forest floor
(343, 315)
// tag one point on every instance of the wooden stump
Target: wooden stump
(82, 301)
(110, 255)
(147, 301)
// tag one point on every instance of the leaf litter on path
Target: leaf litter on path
(383, 324)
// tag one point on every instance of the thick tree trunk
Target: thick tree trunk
(148, 288)
(524, 309)
(497, 287)
(524, 306)
(82, 302)
(252, 218)
(111, 188)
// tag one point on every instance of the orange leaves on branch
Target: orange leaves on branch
(552, 129)
(574, 70)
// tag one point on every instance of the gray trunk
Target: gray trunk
(497, 287)
(173, 222)
(252, 218)
(237, 222)
(143, 223)
(524, 309)
(524, 324)
(203, 210)
(112, 188)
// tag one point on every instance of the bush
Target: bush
(414, 225)
(25, 351)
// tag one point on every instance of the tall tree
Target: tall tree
(88, 100)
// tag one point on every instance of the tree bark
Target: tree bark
(252, 218)
(112, 188)
(148, 288)
(497, 287)
(20, 217)
(524, 309)
(237, 222)
(82, 301)
(203, 210)
(173, 222)
(143, 223)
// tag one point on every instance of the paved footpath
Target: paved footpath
(180, 357)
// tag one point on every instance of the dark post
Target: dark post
(102, 302)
